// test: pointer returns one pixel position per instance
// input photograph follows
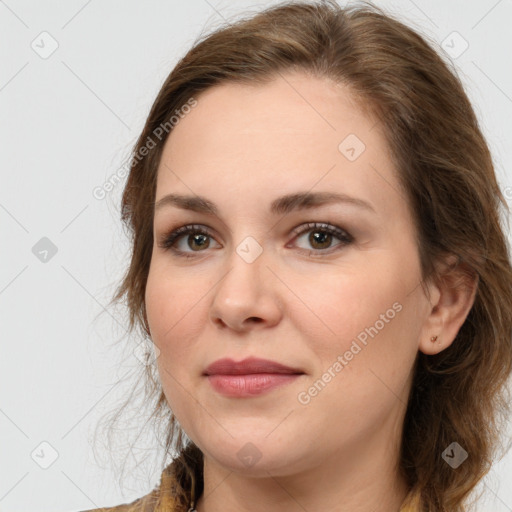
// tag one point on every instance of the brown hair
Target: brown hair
(447, 173)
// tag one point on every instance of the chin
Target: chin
(256, 456)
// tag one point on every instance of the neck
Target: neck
(359, 479)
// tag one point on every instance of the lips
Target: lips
(250, 377)
(248, 366)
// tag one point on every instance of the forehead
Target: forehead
(295, 132)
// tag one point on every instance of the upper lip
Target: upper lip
(249, 365)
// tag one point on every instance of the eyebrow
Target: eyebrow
(280, 206)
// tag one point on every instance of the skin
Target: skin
(299, 303)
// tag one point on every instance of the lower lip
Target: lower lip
(250, 384)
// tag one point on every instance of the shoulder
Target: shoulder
(147, 503)
(161, 499)
(175, 492)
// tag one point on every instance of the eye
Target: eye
(320, 238)
(197, 239)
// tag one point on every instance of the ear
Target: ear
(452, 294)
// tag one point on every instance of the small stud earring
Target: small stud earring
(434, 338)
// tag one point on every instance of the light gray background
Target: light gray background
(68, 122)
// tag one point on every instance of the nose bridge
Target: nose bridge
(246, 266)
(246, 290)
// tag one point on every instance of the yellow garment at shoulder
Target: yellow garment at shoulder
(161, 499)
(147, 503)
(411, 503)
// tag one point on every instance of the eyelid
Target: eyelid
(322, 226)
(169, 237)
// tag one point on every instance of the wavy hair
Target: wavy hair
(447, 172)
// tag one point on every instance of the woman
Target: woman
(319, 262)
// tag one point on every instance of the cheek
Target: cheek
(363, 365)
(349, 307)
(171, 308)
(172, 322)
(371, 320)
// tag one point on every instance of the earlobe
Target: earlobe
(456, 290)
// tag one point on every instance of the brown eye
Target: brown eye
(201, 240)
(190, 239)
(321, 236)
(197, 240)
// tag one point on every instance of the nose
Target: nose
(247, 296)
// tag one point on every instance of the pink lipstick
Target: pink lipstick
(249, 377)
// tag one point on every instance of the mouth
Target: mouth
(249, 377)
(248, 366)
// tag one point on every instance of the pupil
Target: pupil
(317, 237)
(197, 238)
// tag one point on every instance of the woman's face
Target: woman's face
(329, 287)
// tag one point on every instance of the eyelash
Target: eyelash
(168, 240)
